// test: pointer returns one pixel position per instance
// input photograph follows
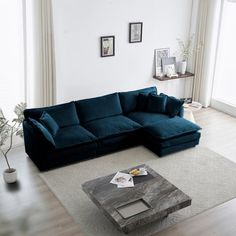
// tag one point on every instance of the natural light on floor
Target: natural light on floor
(12, 56)
(225, 73)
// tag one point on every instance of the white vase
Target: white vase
(182, 67)
(10, 176)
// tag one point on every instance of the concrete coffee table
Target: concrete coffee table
(152, 198)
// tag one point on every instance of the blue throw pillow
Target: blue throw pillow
(156, 104)
(128, 100)
(39, 127)
(50, 123)
(173, 105)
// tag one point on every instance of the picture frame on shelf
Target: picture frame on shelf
(159, 54)
(135, 32)
(165, 61)
(107, 46)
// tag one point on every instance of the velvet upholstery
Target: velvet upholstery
(96, 126)
(173, 105)
(99, 107)
(72, 136)
(43, 130)
(128, 100)
(50, 123)
(63, 114)
(156, 104)
(111, 126)
(146, 118)
(169, 128)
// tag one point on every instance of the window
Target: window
(12, 79)
(224, 90)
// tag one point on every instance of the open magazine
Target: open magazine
(123, 180)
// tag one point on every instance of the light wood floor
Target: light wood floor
(30, 208)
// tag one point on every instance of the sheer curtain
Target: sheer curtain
(40, 53)
(224, 90)
(206, 34)
(12, 73)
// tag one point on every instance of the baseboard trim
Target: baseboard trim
(224, 107)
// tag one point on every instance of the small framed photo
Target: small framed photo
(107, 46)
(135, 32)
(159, 54)
(166, 61)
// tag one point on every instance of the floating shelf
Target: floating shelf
(181, 76)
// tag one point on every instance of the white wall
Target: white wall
(78, 25)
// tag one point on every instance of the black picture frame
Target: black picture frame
(135, 32)
(107, 46)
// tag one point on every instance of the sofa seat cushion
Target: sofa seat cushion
(147, 118)
(72, 136)
(111, 126)
(170, 128)
(99, 107)
(129, 99)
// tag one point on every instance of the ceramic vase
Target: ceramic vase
(182, 67)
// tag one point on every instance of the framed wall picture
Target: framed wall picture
(135, 32)
(159, 54)
(107, 46)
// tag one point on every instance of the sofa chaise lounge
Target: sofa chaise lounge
(74, 131)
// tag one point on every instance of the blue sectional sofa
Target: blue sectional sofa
(70, 132)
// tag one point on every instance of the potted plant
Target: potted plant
(185, 51)
(7, 131)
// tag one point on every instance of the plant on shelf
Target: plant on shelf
(185, 51)
(7, 131)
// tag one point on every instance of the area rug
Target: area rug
(208, 178)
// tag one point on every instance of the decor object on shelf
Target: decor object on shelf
(165, 61)
(7, 132)
(96, 126)
(107, 46)
(159, 54)
(135, 32)
(185, 51)
(182, 67)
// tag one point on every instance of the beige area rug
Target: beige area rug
(208, 178)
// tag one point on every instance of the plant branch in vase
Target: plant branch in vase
(185, 51)
(7, 132)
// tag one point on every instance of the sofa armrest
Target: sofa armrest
(35, 143)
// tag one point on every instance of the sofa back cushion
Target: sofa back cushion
(142, 102)
(98, 107)
(63, 114)
(129, 99)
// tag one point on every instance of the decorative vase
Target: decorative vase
(182, 67)
(10, 175)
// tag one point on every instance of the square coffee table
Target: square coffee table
(152, 198)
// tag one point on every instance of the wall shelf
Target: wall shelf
(181, 76)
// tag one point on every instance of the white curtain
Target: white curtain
(40, 53)
(207, 28)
